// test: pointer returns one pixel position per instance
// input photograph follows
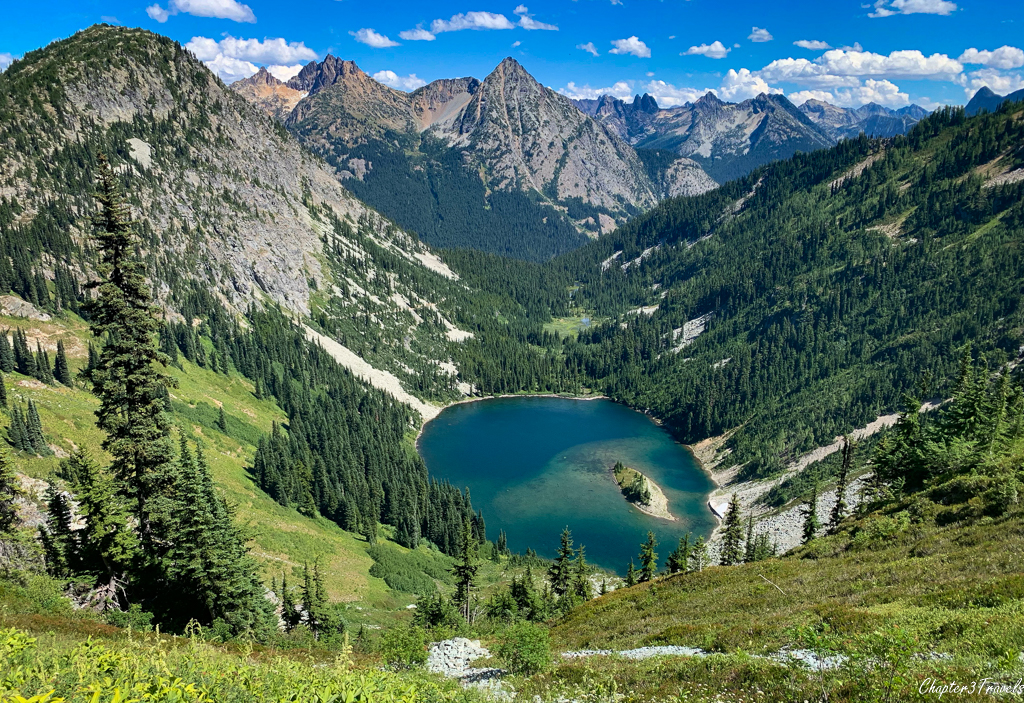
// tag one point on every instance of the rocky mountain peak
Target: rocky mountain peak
(262, 77)
(314, 76)
(645, 103)
(708, 101)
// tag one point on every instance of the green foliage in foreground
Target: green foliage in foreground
(51, 669)
(525, 648)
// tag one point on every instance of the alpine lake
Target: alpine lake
(535, 465)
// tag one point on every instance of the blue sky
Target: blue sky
(845, 51)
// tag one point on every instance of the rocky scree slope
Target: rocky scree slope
(228, 202)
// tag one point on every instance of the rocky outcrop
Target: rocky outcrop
(269, 94)
(526, 136)
(345, 106)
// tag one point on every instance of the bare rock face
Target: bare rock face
(685, 177)
(345, 105)
(269, 94)
(441, 100)
(527, 136)
(225, 191)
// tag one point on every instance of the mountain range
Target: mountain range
(503, 164)
(986, 99)
(729, 140)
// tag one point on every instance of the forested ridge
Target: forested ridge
(833, 282)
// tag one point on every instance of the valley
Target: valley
(300, 376)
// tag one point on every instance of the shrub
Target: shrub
(135, 617)
(525, 648)
(409, 572)
(404, 647)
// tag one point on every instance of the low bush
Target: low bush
(525, 648)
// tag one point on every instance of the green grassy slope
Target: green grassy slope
(282, 539)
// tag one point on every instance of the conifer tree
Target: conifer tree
(24, 361)
(839, 509)
(678, 561)
(207, 563)
(17, 432)
(732, 540)
(631, 574)
(810, 512)
(60, 544)
(6, 353)
(222, 421)
(648, 558)
(108, 545)
(581, 576)
(10, 491)
(125, 379)
(43, 371)
(748, 554)
(34, 431)
(289, 612)
(604, 586)
(61, 370)
(465, 572)
(3, 393)
(560, 571)
(314, 599)
(699, 557)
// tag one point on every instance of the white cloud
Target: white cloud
(284, 73)
(1001, 83)
(840, 68)
(668, 95)
(268, 51)
(589, 48)
(621, 90)
(158, 13)
(759, 35)
(1003, 57)
(371, 38)
(812, 44)
(471, 20)
(221, 9)
(802, 96)
(743, 84)
(516, 43)
(230, 69)
(885, 8)
(526, 20)
(882, 92)
(715, 50)
(406, 83)
(6, 60)
(856, 47)
(418, 34)
(633, 46)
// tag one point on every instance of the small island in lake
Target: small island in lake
(641, 491)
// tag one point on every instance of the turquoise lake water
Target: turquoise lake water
(536, 465)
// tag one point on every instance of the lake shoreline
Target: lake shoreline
(477, 399)
(704, 453)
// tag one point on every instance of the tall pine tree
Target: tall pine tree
(648, 558)
(126, 379)
(10, 491)
(61, 370)
(732, 539)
